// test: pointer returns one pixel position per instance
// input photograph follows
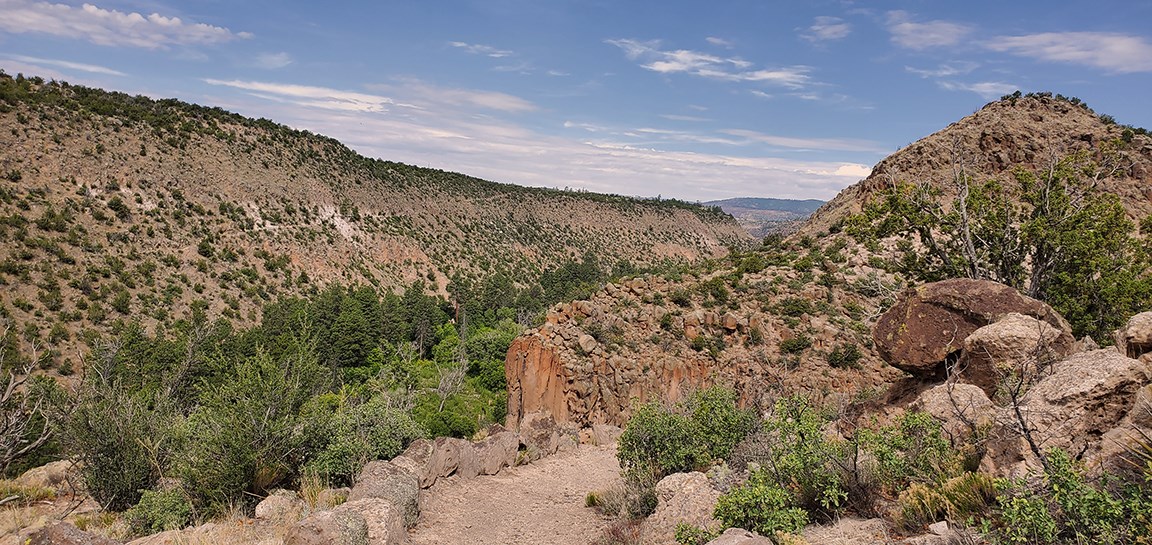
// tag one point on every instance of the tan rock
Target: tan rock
(384, 480)
(587, 343)
(340, 526)
(961, 408)
(740, 536)
(281, 505)
(494, 453)
(536, 380)
(1086, 396)
(681, 498)
(605, 434)
(51, 475)
(63, 533)
(730, 321)
(539, 433)
(1015, 345)
(1135, 338)
(417, 459)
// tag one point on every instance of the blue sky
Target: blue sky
(693, 100)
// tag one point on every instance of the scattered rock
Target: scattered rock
(387, 481)
(587, 343)
(939, 528)
(740, 536)
(1009, 345)
(279, 506)
(681, 497)
(1135, 338)
(63, 533)
(928, 324)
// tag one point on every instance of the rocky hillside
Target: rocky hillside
(1030, 131)
(796, 316)
(114, 206)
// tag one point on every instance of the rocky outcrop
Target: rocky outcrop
(1015, 345)
(493, 454)
(928, 324)
(1135, 338)
(961, 409)
(653, 338)
(1085, 397)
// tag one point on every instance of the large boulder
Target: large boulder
(279, 506)
(928, 324)
(492, 454)
(52, 475)
(1135, 338)
(1015, 345)
(681, 497)
(446, 454)
(340, 526)
(387, 481)
(1085, 397)
(539, 434)
(417, 459)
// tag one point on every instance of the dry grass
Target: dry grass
(621, 532)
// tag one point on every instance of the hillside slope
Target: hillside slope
(114, 206)
(1030, 132)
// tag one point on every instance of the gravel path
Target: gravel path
(541, 503)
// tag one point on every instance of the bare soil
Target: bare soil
(541, 503)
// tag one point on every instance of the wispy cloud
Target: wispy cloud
(652, 57)
(1119, 53)
(813, 144)
(915, 35)
(310, 96)
(719, 42)
(91, 68)
(273, 61)
(109, 27)
(433, 97)
(478, 49)
(945, 70)
(987, 90)
(827, 29)
(678, 117)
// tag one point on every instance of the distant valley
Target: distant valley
(764, 216)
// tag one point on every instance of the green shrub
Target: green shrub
(362, 433)
(796, 344)
(687, 534)
(720, 423)
(845, 355)
(794, 306)
(760, 505)
(913, 449)
(158, 512)
(802, 458)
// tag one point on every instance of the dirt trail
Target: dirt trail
(541, 503)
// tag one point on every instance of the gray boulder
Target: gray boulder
(387, 481)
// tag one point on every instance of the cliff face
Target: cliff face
(658, 339)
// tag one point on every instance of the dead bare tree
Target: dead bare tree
(452, 376)
(23, 427)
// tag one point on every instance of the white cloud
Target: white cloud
(109, 27)
(273, 61)
(92, 68)
(1119, 53)
(309, 96)
(678, 117)
(652, 57)
(719, 42)
(826, 29)
(945, 70)
(913, 35)
(478, 49)
(432, 97)
(821, 144)
(987, 90)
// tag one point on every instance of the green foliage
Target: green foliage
(357, 434)
(796, 344)
(846, 355)
(761, 505)
(158, 512)
(801, 458)
(661, 440)
(1066, 243)
(687, 534)
(913, 449)
(247, 435)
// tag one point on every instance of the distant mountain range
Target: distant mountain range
(763, 216)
